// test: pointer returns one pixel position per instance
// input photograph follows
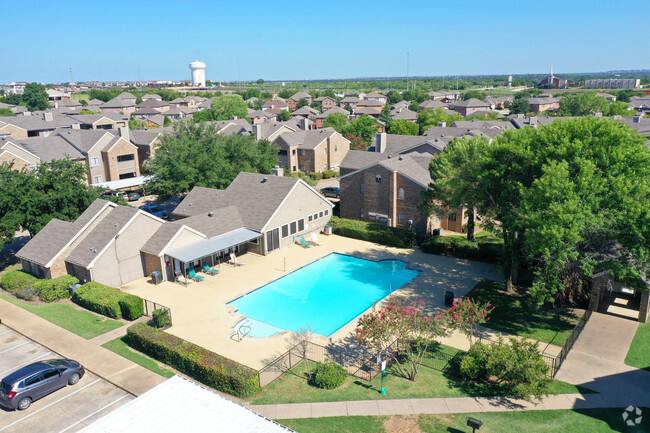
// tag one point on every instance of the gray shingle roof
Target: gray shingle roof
(84, 139)
(333, 110)
(304, 111)
(405, 114)
(50, 148)
(306, 139)
(356, 159)
(255, 198)
(413, 166)
(37, 123)
(472, 102)
(93, 244)
(301, 95)
(48, 242)
(432, 105)
(143, 137)
(118, 103)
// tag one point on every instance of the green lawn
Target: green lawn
(639, 353)
(83, 323)
(512, 314)
(542, 421)
(292, 387)
(119, 346)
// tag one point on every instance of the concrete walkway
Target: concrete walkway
(110, 366)
(117, 332)
(597, 359)
(441, 406)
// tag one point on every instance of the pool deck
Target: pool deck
(201, 315)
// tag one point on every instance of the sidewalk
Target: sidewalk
(116, 333)
(440, 406)
(108, 365)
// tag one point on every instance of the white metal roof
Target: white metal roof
(206, 247)
(180, 405)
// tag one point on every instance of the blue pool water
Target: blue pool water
(327, 294)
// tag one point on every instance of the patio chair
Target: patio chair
(302, 242)
(195, 277)
(233, 260)
(314, 239)
(208, 270)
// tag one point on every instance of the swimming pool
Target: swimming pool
(326, 294)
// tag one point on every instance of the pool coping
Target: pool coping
(331, 336)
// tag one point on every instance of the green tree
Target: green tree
(6, 112)
(477, 94)
(365, 127)
(104, 95)
(224, 107)
(302, 102)
(266, 95)
(386, 116)
(167, 121)
(336, 121)
(518, 106)
(284, 115)
(429, 118)
(582, 104)
(251, 93)
(454, 175)
(285, 94)
(403, 127)
(260, 82)
(526, 93)
(317, 105)
(624, 95)
(14, 99)
(35, 97)
(136, 124)
(196, 155)
(620, 108)
(393, 97)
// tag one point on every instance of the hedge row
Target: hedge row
(372, 232)
(486, 249)
(109, 301)
(28, 287)
(207, 367)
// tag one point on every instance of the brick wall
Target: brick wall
(152, 263)
(122, 147)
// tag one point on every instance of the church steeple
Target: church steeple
(551, 71)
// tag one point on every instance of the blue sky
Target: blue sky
(293, 40)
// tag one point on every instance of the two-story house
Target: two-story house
(293, 101)
(311, 151)
(327, 102)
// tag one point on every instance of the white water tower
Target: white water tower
(198, 73)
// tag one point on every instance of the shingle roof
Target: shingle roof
(101, 235)
(413, 166)
(50, 148)
(255, 198)
(472, 102)
(117, 103)
(369, 103)
(146, 110)
(95, 102)
(481, 124)
(143, 137)
(301, 95)
(84, 139)
(48, 242)
(152, 103)
(325, 114)
(405, 114)
(304, 111)
(307, 139)
(350, 99)
(37, 123)
(368, 110)
(398, 143)
(375, 95)
(432, 104)
(356, 159)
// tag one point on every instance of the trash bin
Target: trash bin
(449, 298)
(327, 230)
(438, 232)
(74, 288)
(156, 277)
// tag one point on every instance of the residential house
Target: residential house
(28, 153)
(102, 245)
(369, 111)
(275, 103)
(472, 105)
(260, 117)
(145, 140)
(400, 105)
(55, 95)
(320, 118)
(34, 125)
(145, 113)
(153, 96)
(431, 104)
(311, 151)
(377, 97)
(349, 101)
(388, 191)
(107, 120)
(257, 212)
(117, 105)
(404, 114)
(306, 112)
(445, 96)
(156, 104)
(327, 102)
(393, 144)
(365, 103)
(293, 101)
(538, 105)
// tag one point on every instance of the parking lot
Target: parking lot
(67, 410)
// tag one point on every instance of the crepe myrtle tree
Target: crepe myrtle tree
(402, 326)
(466, 315)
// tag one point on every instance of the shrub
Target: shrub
(20, 284)
(108, 301)
(161, 318)
(55, 289)
(197, 362)
(132, 306)
(329, 375)
(328, 174)
(486, 249)
(316, 176)
(378, 233)
(515, 366)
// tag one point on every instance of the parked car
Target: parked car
(331, 191)
(28, 384)
(132, 195)
(119, 194)
(155, 210)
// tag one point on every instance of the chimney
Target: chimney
(533, 122)
(277, 171)
(636, 119)
(442, 124)
(124, 133)
(257, 130)
(598, 114)
(233, 117)
(305, 124)
(76, 126)
(47, 116)
(617, 117)
(519, 116)
(56, 105)
(380, 142)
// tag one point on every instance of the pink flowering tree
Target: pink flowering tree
(402, 325)
(466, 315)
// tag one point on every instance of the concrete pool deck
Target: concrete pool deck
(200, 313)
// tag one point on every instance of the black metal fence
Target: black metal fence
(150, 307)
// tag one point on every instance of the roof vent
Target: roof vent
(210, 214)
(399, 158)
(264, 179)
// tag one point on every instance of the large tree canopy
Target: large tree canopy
(569, 197)
(582, 104)
(428, 118)
(35, 97)
(195, 154)
(31, 199)
(224, 108)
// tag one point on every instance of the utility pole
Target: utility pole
(407, 71)
(71, 76)
(457, 84)
(238, 76)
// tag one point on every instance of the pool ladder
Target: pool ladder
(242, 329)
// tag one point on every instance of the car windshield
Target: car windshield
(55, 363)
(5, 387)
(155, 209)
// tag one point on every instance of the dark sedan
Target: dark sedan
(28, 384)
(331, 191)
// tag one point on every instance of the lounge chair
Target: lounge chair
(301, 241)
(195, 277)
(208, 270)
(314, 239)
(233, 260)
